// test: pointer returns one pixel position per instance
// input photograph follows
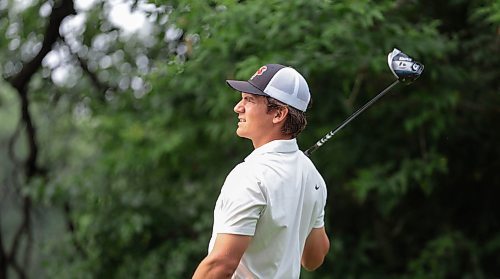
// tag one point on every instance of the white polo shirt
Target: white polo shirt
(277, 196)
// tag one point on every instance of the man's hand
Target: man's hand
(224, 257)
(315, 249)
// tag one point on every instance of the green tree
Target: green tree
(135, 148)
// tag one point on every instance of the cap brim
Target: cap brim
(245, 87)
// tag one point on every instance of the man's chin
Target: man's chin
(240, 134)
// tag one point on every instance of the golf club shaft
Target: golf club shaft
(318, 144)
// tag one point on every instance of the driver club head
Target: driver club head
(404, 67)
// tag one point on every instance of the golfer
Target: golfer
(269, 217)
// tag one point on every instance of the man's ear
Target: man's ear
(280, 114)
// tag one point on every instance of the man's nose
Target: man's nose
(238, 108)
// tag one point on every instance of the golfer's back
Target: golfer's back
(280, 197)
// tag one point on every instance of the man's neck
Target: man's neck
(268, 140)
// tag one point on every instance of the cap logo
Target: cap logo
(259, 72)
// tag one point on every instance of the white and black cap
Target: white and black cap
(282, 83)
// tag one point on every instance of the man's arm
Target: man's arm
(224, 257)
(315, 249)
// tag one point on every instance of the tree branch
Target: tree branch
(20, 82)
(18, 269)
(3, 254)
(29, 245)
(59, 12)
(355, 90)
(23, 229)
(101, 87)
(94, 79)
(11, 144)
(70, 225)
(31, 168)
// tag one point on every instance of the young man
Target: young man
(269, 217)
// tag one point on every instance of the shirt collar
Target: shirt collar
(275, 146)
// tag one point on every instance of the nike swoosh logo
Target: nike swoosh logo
(316, 187)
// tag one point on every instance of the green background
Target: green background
(113, 171)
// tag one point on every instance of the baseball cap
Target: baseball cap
(280, 82)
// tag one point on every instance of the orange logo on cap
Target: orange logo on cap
(260, 71)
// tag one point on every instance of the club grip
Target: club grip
(311, 149)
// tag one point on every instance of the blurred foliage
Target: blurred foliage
(141, 155)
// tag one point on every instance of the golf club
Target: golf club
(406, 71)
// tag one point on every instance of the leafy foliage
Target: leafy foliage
(141, 154)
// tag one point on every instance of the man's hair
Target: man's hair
(295, 121)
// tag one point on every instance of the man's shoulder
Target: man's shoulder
(243, 176)
(248, 169)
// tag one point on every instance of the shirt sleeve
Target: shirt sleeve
(240, 202)
(320, 220)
